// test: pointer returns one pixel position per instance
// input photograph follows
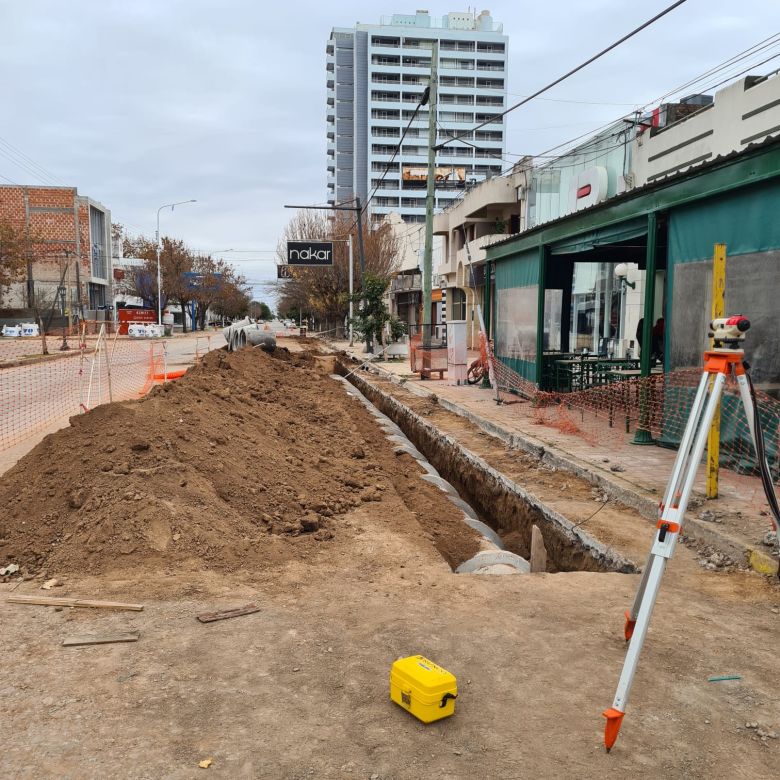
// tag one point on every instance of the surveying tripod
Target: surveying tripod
(724, 360)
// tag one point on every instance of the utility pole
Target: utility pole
(427, 279)
(351, 292)
(361, 253)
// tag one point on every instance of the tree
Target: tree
(260, 310)
(324, 292)
(233, 301)
(15, 249)
(372, 313)
(208, 284)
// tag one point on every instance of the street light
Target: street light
(171, 206)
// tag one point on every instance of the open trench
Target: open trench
(504, 506)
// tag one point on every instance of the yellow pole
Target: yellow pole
(718, 310)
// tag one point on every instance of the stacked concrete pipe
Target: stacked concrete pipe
(248, 332)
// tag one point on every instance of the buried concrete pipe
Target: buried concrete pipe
(492, 558)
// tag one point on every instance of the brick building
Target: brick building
(70, 254)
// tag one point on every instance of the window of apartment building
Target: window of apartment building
(490, 48)
(484, 170)
(418, 43)
(386, 132)
(421, 115)
(378, 95)
(383, 40)
(386, 202)
(488, 135)
(382, 148)
(490, 100)
(385, 59)
(385, 113)
(491, 154)
(417, 62)
(455, 134)
(446, 45)
(457, 100)
(492, 118)
(386, 78)
(448, 63)
(458, 81)
(458, 298)
(415, 150)
(456, 151)
(411, 79)
(490, 83)
(413, 203)
(490, 65)
(456, 116)
(411, 97)
(413, 218)
(386, 184)
(380, 167)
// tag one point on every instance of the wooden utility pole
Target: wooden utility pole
(427, 280)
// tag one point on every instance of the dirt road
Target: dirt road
(300, 689)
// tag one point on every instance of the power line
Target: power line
(580, 66)
(22, 160)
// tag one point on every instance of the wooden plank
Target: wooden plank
(60, 601)
(538, 551)
(210, 617)
(76, 641)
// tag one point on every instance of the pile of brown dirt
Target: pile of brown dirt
(249, 460)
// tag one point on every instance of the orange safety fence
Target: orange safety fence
(41, 395)
(658, 405)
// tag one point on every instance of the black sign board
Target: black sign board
(310, 252)
(283, 272)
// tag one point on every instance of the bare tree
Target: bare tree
(324, 292)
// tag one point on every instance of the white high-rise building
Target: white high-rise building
(376, 76)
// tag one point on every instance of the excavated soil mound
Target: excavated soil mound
(249, 460)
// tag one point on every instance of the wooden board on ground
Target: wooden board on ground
(210, 617)
(105, 639)
(56, 601)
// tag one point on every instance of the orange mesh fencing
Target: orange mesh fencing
(44, 393)
(659, 404)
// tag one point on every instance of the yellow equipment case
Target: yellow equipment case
(423, 688)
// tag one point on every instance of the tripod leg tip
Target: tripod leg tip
(628, 630)
(614, 720)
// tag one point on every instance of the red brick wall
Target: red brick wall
(49, 215)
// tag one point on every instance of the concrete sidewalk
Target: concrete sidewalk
(735, 523)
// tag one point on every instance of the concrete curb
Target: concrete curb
(39, 359)
(619, 489)
(600, 552)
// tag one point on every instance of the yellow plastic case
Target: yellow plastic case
(423, 688)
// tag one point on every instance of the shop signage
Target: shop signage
(310, 253)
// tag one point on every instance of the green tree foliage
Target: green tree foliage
(260, 310)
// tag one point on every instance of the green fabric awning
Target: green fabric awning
(613, 234)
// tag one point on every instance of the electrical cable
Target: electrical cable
(582, 65)
(423, 101)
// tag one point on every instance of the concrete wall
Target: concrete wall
(743, 113)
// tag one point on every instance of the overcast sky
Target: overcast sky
(143, 102)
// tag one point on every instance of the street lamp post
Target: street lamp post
(171, 206)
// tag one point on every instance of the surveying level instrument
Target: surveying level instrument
(723, 360)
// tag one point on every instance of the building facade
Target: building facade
(70, 263)
(376, 75)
